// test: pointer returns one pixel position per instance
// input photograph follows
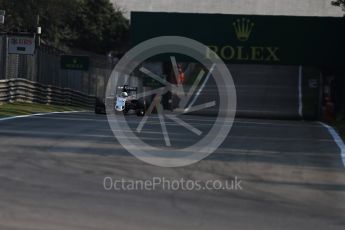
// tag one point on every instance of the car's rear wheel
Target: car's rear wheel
(98, 110)
(140, 112)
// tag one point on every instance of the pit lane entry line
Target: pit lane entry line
(37, 114)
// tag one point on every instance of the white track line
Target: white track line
(337, 140)
(36, 114)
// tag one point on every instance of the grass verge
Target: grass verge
(22, 108)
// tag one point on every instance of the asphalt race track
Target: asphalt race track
(52, 170)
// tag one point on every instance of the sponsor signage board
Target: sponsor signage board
(21, 44)
(72, 62)
(248, 39)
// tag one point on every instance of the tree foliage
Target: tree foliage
(340, 3)
(93, 25)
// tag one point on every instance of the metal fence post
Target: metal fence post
(2, 56)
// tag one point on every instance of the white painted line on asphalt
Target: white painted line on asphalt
(300, 93)
(337, 140)
(36, 114)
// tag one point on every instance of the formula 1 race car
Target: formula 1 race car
(126, 100)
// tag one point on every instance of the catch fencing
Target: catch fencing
(44, 67)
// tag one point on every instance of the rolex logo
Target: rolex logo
(243, 28)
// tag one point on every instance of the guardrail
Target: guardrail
(19, 89)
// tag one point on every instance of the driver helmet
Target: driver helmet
(124, 94)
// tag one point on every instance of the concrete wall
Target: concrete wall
(255, 7)
(263, 91)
